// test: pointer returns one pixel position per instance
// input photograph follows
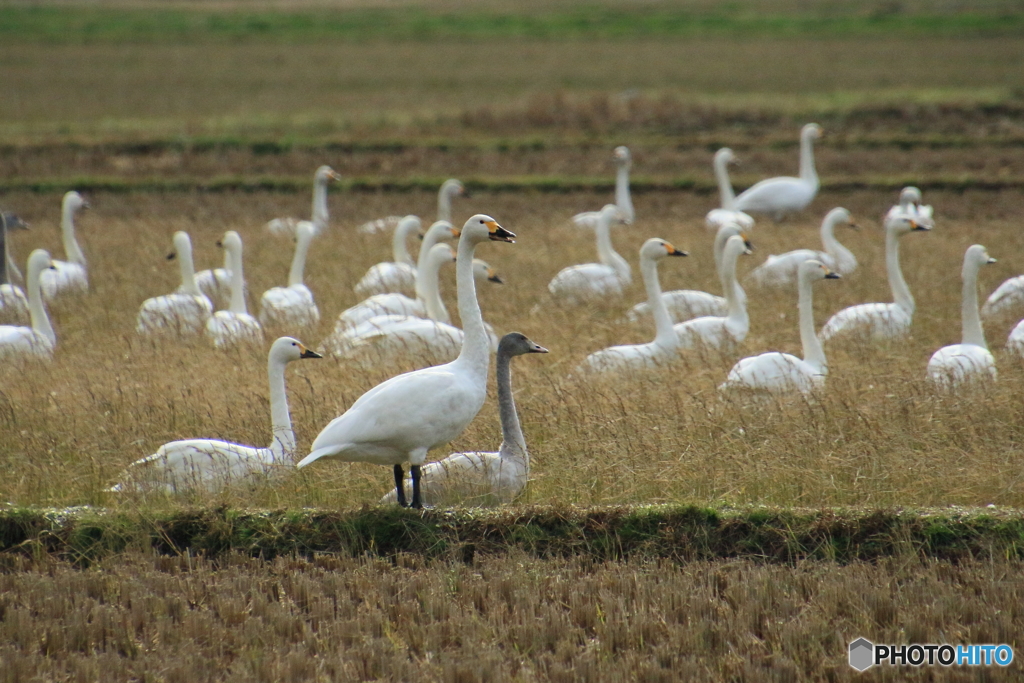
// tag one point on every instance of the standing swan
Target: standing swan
(881, 321)
(184, 313)
(211, 464)
(780, 196)
(782, 270)
(70, 275)
(319, 217)
(235, 325)
(292, 306)
(623, 200)
(400, 274)
(38, 340)
(13, 304)
(953, 365)
(721, 332)
(478, 477)
(401, 419)
(777, 372)
(727, 213)
(595, 281)
(666, 344)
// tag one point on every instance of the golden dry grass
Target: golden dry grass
(879, 437)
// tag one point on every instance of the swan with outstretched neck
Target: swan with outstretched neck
(183, 313)
(292, 306)
(319, 216)
(665, 346)
(782, 269)
(726, 213)
(235, 325)
(211, 464)
(595, 282)
(71, 275)
(777, 373)
(721, 332)
(623, 200)
(784, 195)
(402, 419)
(483, 477)
(39, 340)
(953, 365)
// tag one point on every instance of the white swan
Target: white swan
(292, 306)
(969, 360)
(623, 200)
(881, 321)
(721, 332)
(235, 325)
(319, 216)
(780, 196)
(401, 419)
(666, 343)
(1015, 340)
(38, 340)
(1007, 297)
(184, 313)
(479, 477)
(592, 282)
(450, 189)
(782, 269)
(685, 304)
(398, 275)
(727, 212)
(215, 283)
(778, 373)
(13, 302)
(910, 206)
(212, 465)
(70, 275)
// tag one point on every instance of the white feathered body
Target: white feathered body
(182, 315)
(24, 342)
(956, 364)
(716, 218)
(878, 322)
(383, 278)
(685, 304)
(586, 283)
(1008, 296)
(629, 357)
(384, 340)
(775, 373)
(13, 304)
(477, 478)
(377, 305)
(714, 332)
(291, 306)
(226, 329)
(1015, 340)
(64, 277)
(197, 464)
(781, 269)
(215, 284)
(778, 196)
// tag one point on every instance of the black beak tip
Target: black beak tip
(495, 278)
(220, 244)
(170, 257)
(833, 276)
(310, 354)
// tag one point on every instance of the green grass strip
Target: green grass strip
(80, 24)
(677, 532)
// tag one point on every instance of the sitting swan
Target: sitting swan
(782, 270)
(721, 332)
(398, 275)
(479, 478)
(685, 304)
(450, 189)
(235, 325)
(666, 344)
(13, 303)
(1007, 297)
(319, 217)
(727, 213)
(953, 365)
(184, 313)
(38, 340)
(779, 373)
(780, 196)
(623, 162)
(402, 419)
(292, 306)
(881, 321)
(212, 465)
(592, 282)
(70, 275)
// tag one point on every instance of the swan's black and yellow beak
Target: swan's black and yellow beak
(830, 275)
(500, 234)
(308, 353)
(456, 232)
(494, 277)
(672, 251)
(333, 175)
(919, 226)
(991, 260)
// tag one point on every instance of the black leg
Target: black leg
(416, 502)
(400, 485)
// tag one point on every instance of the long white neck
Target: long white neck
(302, 242)
(67, 228)
(970, 320)
(900, 292)
(430, 239)
(622, 197)
(319, 214)
(283, 444)
(606, 253)
(513, 443)
(720, 239)
(476, 346)
(807, 171)
(237, 282)
(444, 203)
(843, 256)
(37, 312)
(188, 272)
(428, 289)
(726, 196)
(665, 334)
(814, 354)
(399, 249)
(736, 308)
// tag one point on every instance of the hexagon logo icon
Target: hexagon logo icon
(862, 654)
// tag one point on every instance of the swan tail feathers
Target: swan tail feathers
(325, 452)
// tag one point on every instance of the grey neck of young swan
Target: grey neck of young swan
(900, 292)
(970, 320)
(814, 354)
(283, 444)
(513, 444)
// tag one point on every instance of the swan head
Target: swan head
(182, 243)
(441, 230)
(901, 225)
(409, 224)
(454, 188)
(12, 221)
(738, 245)
(909, 196)
(74, 201)
(287, 349)
(612, 215)
(440, 254)
(482, 271)
(325, 173)
(812, 270)
(810, 131)
(727, 230)
(656, 249)
(725, 156)
(518, 344)
(623, 157)
(839, 215)
(482, 227)
(230, 241)
(38, 261)
(975, 257)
